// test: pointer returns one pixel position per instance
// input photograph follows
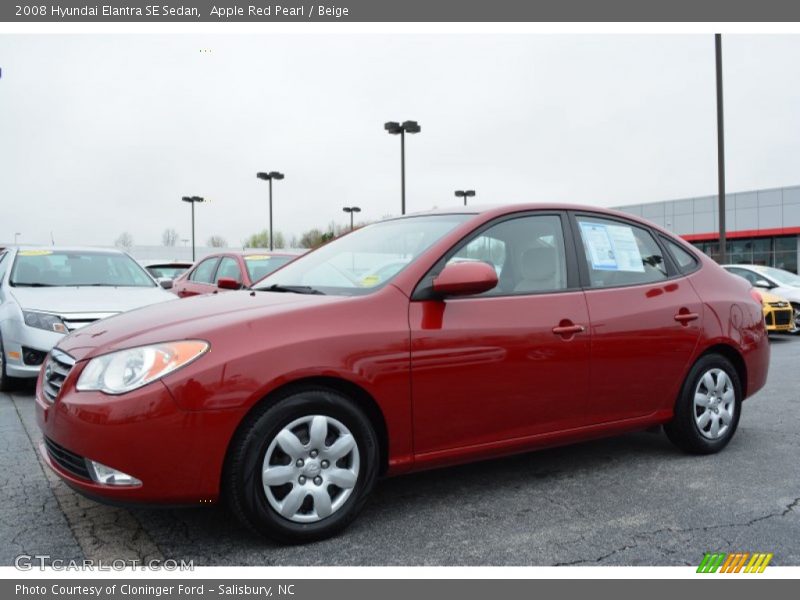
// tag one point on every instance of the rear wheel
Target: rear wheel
(301, 469)
(707, 411)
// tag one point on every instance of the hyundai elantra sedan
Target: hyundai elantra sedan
(503, 330)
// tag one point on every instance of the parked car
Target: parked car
(229, 271)
(778, 313)
(782, 283)
(290, 399)
(165, 272)
(47, 292)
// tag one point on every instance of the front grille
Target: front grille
(779, 304)
(69, 461)
(783, 317)
(74, 321)
(56, 369)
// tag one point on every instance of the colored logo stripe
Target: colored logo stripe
(733, 563)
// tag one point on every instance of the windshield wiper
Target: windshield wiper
(18, 284)
(293, 289)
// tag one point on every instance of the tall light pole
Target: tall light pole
(192, 200)
(723, 242)
(16, 235)
(394, 128)
(269, 177)
(352, 210)
(465, 194)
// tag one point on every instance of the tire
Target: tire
(271, 442)
(6, 382)
(692, 428)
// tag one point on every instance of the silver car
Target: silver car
(47, 292)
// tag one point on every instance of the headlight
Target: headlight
(44, 321)
(127, 370)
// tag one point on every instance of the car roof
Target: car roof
(501, 209)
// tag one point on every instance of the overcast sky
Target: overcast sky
(104, 134)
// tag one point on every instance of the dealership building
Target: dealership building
(763, 226)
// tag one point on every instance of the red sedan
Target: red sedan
(228, 271)
(413, 343)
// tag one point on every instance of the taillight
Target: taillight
(756, 296)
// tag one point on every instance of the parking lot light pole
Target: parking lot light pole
(395, 128)
(723, 243)
(352, 210)
(465, 194)
(269, 177)
(192, 200)
(16, 236)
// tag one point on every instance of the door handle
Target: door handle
(684, 318)
(568, 329)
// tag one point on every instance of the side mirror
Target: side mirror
(465, 279)
(165, 283)
(228, 283)
(763, 283)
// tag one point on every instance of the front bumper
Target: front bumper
(779, 319)
(17, 335)
(177, 455)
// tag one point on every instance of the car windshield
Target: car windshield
(781, 276)
(261, 265)
(62, 268)
(364, 260)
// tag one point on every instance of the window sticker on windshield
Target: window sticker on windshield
(370, 280)
(34, 252)
(612, 247)
(257, 257)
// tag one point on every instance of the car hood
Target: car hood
(789, 293)
(196, 317)
(68, 300)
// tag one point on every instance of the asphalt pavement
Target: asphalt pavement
(630, 500)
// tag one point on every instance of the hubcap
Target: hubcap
(714, 404)
(310, 468)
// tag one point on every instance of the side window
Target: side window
(204, 271)
(620, 254)
(527, 253)
(684, 259)
(228, 267)
(748, 275)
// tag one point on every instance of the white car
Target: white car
(779, 282)
(47, 292)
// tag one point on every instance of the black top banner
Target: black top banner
(400, 11)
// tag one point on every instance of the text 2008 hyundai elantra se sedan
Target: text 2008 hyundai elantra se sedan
(485, 332)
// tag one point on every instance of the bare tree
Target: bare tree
(169, 237)
(124, 241)
(217, 241)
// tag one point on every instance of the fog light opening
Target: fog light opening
(108, 476)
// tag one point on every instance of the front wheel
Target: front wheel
(707, 411)
(301, 469)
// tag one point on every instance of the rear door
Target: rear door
(645, 318)
(200, 279)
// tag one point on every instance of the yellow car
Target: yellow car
(778, 312)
